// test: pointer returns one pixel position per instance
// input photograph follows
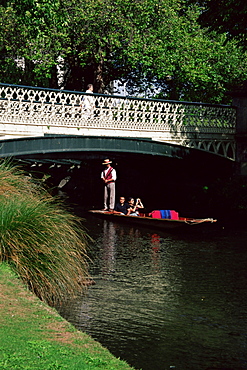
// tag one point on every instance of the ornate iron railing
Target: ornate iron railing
(191, 124)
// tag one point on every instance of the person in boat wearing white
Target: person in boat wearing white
(109, 177)
(134, 207)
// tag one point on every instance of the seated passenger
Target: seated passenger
(121, 207)
(139, 204)
(134, 207)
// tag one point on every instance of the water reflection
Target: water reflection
(163, 301)
(155, 240)
(108, 259)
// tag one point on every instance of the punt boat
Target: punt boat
(145, 220)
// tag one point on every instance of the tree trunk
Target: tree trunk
(74, 77)
(53, 81)
(98, 77)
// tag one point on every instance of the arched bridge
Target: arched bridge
(80, 143)
(31, 113)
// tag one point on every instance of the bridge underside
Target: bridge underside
(61, 144)
(71, 152)
(70, 143)
(146, 168)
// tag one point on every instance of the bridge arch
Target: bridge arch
(72, 143)
(145, 167)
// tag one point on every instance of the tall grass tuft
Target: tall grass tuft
(43, 242)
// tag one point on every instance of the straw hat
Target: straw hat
(107, 161)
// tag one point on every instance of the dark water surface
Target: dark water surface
(165, 301)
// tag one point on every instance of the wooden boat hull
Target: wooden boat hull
(159, 223)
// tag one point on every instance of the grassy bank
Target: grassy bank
(33, 336)
(43, 258)
(44, 243)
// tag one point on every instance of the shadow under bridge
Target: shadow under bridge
(159, 172)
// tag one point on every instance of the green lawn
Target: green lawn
(34, 336)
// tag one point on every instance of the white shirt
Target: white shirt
(88, 101)
(113, 174)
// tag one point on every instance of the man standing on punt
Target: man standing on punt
(109, 177)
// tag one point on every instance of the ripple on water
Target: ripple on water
(163, 301)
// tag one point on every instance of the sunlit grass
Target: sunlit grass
(44, 243)
(34, 337)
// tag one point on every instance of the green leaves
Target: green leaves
(228, 16)
(99, 41)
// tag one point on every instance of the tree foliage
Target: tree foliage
(226, 16)
(156, 47)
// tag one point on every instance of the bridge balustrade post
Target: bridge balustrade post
(239, 100)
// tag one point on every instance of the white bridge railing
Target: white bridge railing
(29, 111)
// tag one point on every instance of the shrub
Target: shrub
(43, 242)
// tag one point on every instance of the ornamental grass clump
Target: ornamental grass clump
(43, 242)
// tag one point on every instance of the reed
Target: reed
(43, 242)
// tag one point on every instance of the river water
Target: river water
(166, 301)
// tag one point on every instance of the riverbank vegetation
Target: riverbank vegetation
(41, 240)
(33, 336)
(228, 200)
(224, 198)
